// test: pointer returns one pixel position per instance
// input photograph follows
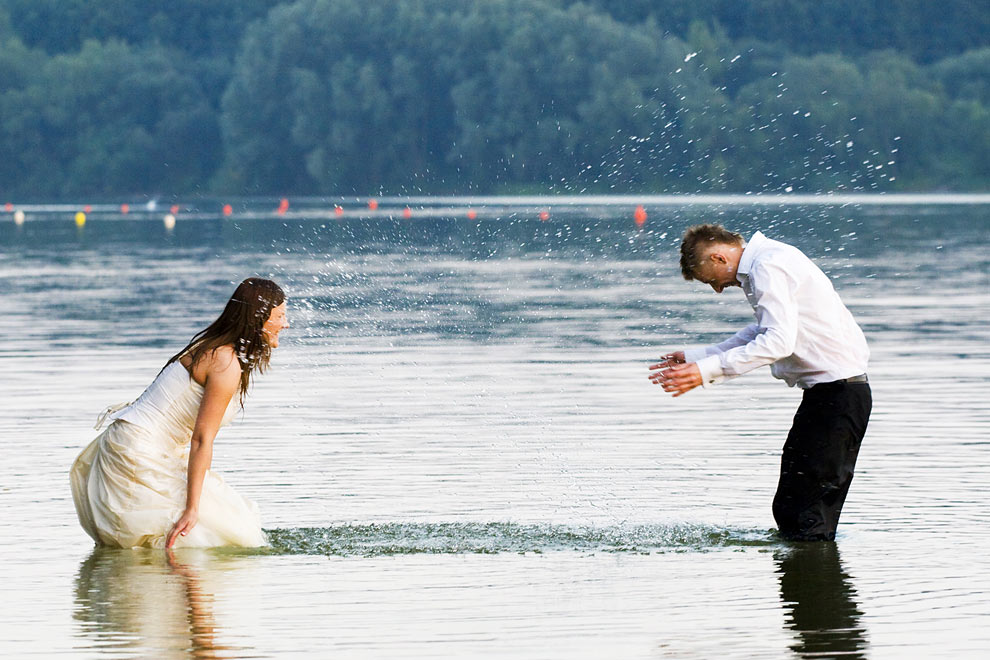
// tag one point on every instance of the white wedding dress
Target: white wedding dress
(129, 484)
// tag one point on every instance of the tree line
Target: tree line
(341, 97)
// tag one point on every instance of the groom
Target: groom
(809, 339)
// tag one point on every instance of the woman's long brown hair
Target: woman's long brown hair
(240, 325)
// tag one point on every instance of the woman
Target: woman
(145, 481)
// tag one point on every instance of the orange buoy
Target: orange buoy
(472, 214)
(640, 216)
(283, 206)
(228, 209)
(125, 208)
(174, 209)
(372, 203)
(544, 215)
(338, 209)
(407, 212)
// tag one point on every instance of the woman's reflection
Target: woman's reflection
(819, 602)
(148, 602)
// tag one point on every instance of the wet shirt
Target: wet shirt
(802, 329)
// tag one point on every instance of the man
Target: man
(809, 339)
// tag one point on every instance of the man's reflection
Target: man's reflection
(819, 602)
(148, 602)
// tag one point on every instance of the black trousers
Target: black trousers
(818, 460)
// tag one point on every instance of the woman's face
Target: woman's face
(276, 323)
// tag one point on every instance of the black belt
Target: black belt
(855, 379)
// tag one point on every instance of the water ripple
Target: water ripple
(498, 537)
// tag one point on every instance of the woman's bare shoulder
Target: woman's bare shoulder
(222, 358)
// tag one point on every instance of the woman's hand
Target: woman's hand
(182, 527)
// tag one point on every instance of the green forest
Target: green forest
(340, 97)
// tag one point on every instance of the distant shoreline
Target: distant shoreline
(729, 199)
(454, 206)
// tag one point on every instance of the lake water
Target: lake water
(457, 451)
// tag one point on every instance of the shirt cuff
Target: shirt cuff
(711, 370)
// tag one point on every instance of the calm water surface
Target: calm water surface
(458, 454)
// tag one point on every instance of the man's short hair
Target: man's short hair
(697, 238)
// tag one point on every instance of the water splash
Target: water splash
(500, 537)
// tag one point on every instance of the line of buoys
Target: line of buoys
(639, 216)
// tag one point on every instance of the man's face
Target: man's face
(717, 269)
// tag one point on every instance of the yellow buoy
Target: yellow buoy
(80, 219)
(169, 221)
(18, 217)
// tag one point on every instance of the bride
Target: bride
(145, 480)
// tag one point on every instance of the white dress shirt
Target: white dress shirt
(802, 329)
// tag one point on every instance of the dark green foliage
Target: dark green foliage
(197, 27)
(922, 30)
(406, 96)
(107, 119)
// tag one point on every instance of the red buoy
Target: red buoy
(174, 209)
(338, 209)
(544, 215)
(125, 208)
(8, 207)
(372, 203)
(640, 216)
(407, 212)
(472, 214)
(228, 209)
(283, 206)
(87, 208)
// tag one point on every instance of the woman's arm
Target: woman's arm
(223, 376)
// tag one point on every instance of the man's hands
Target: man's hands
(669, 360)
(675, 375)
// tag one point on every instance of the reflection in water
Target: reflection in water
(149, 604)
(820, 602)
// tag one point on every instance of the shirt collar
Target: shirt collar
(749, 253)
